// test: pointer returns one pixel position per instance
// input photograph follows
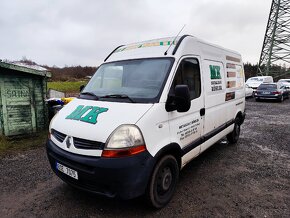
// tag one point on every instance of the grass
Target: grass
(66, 86)
(22, 143)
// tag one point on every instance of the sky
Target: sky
(83, 32)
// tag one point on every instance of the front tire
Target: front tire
(163, 182)
(234, 136)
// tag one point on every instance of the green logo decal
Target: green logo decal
(90, 117)
(215, 72)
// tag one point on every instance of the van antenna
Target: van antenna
(165, 53)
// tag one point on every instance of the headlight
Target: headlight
(126, 140)
(125, 136)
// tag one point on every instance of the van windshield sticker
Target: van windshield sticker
(88, 114)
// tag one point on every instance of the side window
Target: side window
(188, 73)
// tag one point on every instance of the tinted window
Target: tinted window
(267, 87)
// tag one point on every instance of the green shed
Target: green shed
(22, 99)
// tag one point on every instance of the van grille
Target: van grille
(58, 135)
(78, 142)
(87, 144)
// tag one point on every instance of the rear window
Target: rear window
(267, 87)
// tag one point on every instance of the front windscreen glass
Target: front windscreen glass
(137, 80)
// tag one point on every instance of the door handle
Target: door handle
(202, 111)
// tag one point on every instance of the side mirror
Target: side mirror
(82, 87)
(180, 101)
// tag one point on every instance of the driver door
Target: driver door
(187, 127)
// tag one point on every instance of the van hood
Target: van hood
(96, 120)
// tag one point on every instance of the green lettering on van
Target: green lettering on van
(215, 72)
(90, 117)
(78, 112)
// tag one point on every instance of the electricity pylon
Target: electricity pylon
(275, 55)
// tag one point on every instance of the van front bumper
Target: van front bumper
(125, 177)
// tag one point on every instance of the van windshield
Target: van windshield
(140, 80)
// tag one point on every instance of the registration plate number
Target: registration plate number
(266, 92)
(68, 171)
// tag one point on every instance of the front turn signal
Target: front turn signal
(125, 152)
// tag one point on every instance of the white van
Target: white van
(254, 82)
(149, 109)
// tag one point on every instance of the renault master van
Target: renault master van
(149, 109)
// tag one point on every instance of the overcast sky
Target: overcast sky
(84, 32)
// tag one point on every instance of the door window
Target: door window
(188, 73)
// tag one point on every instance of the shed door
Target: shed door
(18, 106)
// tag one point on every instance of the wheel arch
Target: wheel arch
(241, 116)
(172, 149)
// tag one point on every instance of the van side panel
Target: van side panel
(224, 91)
(236, 86)
(215, 89)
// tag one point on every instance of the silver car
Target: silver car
(272, 91)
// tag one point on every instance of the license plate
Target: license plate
(68, 171)
(266, 92)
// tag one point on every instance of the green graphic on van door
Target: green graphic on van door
(92, 113)
(215, 72)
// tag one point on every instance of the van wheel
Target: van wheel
(234, 136)
(163, 182)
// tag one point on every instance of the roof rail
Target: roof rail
(178, 43)
(112, 52)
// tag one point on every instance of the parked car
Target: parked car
(271, 91)
(285, 82)
(249, 91)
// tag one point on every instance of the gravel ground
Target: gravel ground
(249, 179)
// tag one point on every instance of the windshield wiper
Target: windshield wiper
(122, 96)
(90, 93)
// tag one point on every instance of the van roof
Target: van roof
(157, 48)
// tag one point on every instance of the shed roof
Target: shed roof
(36, 70)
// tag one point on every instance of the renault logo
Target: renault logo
(68, 142)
